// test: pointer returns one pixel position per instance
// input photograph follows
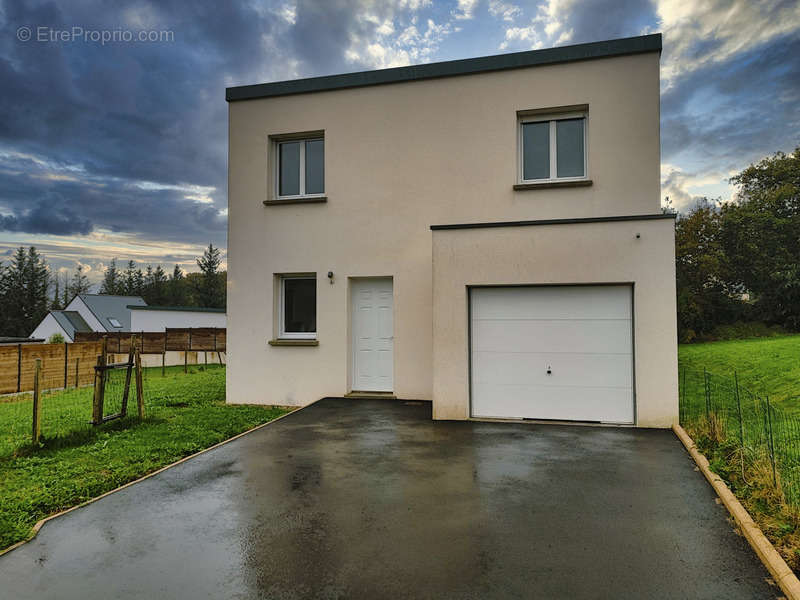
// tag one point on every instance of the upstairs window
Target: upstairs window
(552, 148)
(300, 167)
(114, 322)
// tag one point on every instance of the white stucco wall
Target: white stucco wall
(48, 327)
(159, 320)
(399, 158)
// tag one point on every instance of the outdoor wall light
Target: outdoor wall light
(330, 276)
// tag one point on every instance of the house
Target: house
(482, 233)
(158, 318)
(89, 312)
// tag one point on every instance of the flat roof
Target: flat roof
(450, 68)
(180, 308)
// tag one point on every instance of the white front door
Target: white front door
(372, 334)
(560, 352)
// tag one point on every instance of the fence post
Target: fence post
(682, 401)
(37, 402)
(97, 409)
(139, 394)
(707, 393)
(77, 366)
(124, 407)
(739, 408)
(164, 355)
(66, 354)
(771, 443)
(19, 368)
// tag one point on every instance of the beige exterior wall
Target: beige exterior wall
(399, 158)
(586, 253)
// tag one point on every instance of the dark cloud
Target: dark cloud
(745, 107)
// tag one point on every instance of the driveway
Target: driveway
(372, 499)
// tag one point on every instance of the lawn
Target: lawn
(740, 436)
(187, 413)
(767, 366)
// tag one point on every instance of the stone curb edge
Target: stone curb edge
(775, 564)
(41, 522)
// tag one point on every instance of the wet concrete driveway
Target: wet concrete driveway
(372, 499)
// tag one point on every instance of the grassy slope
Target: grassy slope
(768, 366)
(191, 416)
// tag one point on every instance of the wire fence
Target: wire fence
(754, 432)
(67, 413)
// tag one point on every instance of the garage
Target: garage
(552, 352)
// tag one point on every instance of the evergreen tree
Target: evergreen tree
(129, 283)
(210, 294)
(177, 290)
(79, 283)
(56, 303)
(24, 284)
(138, 283)
(112, 280)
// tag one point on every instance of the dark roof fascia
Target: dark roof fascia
(179, 308)
(554, 222)
(451, 68)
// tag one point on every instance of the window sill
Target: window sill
(301, 200)
(552, 184)
(288, 342)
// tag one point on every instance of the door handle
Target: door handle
(549, 370)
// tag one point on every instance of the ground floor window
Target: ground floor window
(298, 307)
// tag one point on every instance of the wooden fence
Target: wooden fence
(183, 339)
(71, 365)
(63, 365)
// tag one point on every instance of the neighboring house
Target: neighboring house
(482, 233)
(89, 312)
(158, 318)
(65, 322)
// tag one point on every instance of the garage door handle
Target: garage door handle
(549, 370)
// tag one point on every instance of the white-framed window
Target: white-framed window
(114, 322)
(300, 167)
(553, 148)
(297, 307)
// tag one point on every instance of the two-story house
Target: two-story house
(483, 233)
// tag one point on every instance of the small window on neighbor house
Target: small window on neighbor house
(301, 167)
(114, 322)
(553, 148)
(298, 307)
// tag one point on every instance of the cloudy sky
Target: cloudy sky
(118, 148)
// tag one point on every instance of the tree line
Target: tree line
(738, 262)
(28, 288)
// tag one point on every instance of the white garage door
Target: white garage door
(558, 352)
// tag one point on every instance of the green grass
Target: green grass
(738, 437)
(186, 413)
(767, 366)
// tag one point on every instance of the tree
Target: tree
(55, 338)
(129, 279)
(704, 296)
(155, 286)
(760, 237)
(177, 289)
(56, 303)
(209, 291)
(79, 284)
(112, 280)
(24, 285)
